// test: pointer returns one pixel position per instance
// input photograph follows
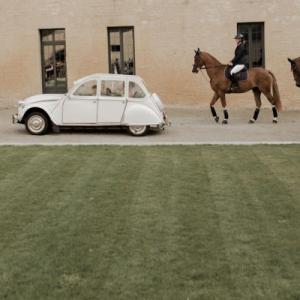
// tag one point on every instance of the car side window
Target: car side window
(135, 91)
(113, 88)
(87, 89)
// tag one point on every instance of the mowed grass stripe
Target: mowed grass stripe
(284, 164)
(202, 262)
(283, 213)
(11, 162)
(248, 216)
(134, 270)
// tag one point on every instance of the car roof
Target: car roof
(109, 76)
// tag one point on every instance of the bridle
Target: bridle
(206, 68)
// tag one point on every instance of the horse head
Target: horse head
(295, 67)
(198, 63)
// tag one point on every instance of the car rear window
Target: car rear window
(135, 91)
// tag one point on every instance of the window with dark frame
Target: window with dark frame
(121, 50)
(53, 58)
(255, 41)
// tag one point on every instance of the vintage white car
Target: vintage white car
(95, 100)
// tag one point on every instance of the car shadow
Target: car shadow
(97, 130)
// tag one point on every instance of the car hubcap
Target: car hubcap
(36, 124)
(137, 129)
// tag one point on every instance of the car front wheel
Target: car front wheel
(37, 123)
(138, 130)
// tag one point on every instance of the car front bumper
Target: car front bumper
(15, 119)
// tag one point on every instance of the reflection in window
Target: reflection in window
(87, 89)
(121, 50)
(135, 91)
(113, 88)
(53, 60)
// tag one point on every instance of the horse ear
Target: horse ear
(198, 50)
(291, 61)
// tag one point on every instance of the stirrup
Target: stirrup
(234, 87)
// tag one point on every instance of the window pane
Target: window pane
(60, 64)
(128, 52)
(135, 91)
(49, 66)
(115, 52)
(47, 35)
(113, 88)
(60, 35)
(87, 89)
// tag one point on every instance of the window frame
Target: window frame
(121, 30)
(53, 43)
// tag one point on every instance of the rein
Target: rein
(214, 67)
(204, 75)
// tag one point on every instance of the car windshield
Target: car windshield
(144, 84)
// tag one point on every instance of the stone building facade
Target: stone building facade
(47, 44)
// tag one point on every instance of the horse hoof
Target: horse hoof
(275, 121)
(251, 121)
(217, 119)
(225, 122)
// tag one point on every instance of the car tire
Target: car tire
(37, 123)
(138, 130)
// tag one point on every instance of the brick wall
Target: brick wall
(166, 34)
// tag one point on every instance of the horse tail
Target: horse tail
(276, 94)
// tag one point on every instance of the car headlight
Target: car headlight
(21, 104)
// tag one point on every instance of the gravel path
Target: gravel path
(190, 125)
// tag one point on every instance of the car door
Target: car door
(112, 101)
(80, 107)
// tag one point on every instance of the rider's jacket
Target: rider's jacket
(240, 55)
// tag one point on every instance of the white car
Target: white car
(94, 101)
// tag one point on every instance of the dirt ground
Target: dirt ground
(190, 125)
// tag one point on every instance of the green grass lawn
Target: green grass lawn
(164, 222)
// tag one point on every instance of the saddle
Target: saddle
(240, 76)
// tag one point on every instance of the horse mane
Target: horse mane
(214, 59)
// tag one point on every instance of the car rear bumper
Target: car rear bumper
(166, 119)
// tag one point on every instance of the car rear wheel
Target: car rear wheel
(37, 123)
(138, 130)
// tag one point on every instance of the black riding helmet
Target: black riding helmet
(239, 36)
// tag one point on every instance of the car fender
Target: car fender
(47, 107)
(140, 114)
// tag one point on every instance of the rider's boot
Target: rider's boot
(234, 84)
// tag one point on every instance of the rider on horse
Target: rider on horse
(239, 61)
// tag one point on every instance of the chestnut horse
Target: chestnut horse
(259, 81)
(295, 65)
